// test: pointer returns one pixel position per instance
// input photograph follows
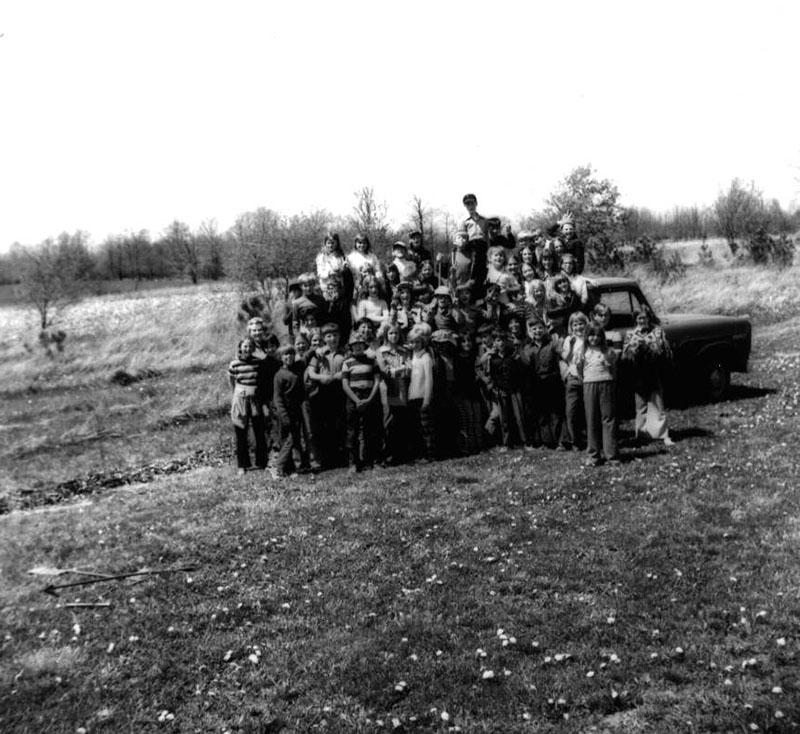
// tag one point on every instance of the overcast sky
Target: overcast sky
(122, 116)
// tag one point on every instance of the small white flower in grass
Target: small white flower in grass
(439, 653)
(80, 730)
(753, 726)
(133, 638)
(445, 716)
(614, 658)
(728, 682)
(679, 651)
(111, 647)
(480, 652)
(404, 639)
(506, 672)
(611, 620)
(253, 658)
(487, 674)
(614, 694)
(396, 723)
(526, 716)
(227, 656)
(170, 630)
(590, 674)
(286, 605)
(561, 702)
(780, 642)
(535, 643)
(779, 714)
(76, 629)
(653, 655)
(728, 669)
(400, 686)
(414, 657)
(761, 614)
(559, 657)
(777, 690)
(548, 659)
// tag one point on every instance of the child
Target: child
(461, 260)
(395, 369)
(338, 309)
(406, 268)
(497, 265)
(423, 303)
(360, 256)
(561, 304)
(289, 394)
(331, 263)
(443, 315)
(492, 310)
(601, 314)
(327, 398)
(360, 382)
(372, 306)
(469, 313)
(244, 373)
(467, 397)
(504, 383)
(443, 347)
(598, 367)
(574, 411)
(545, 398)
(420, 393)
(400, 313)
(426, 275)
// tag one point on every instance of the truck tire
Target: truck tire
(717, 381)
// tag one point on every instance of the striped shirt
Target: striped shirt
(360, 374)
(245, 373)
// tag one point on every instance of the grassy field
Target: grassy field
(513, 592)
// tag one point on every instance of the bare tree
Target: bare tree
(369, 217)
(54, 274)
(183, 248)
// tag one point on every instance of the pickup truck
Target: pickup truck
(706, 348)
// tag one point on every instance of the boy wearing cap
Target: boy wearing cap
(443, 315)
(361, 382)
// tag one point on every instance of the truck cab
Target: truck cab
(706, 348)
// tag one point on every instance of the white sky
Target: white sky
(121, 116)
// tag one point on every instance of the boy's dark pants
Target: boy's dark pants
(291, 445)
(423, 426)
(364, 432)
(549, 407)
(243, 443)
(328, 429)
(398, 430)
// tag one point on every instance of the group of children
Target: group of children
(431, 358)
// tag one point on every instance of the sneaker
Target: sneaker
(241, 471)
(668, 441)
(277, 474)
(593, 462)
(615, 461)
(561, 447)
(353, 469)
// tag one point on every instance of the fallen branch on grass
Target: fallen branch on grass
(52, 589)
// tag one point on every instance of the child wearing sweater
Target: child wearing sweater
(244, 374)
(597, 366)
(420, 393)
(289, 396)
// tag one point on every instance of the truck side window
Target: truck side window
(622, 306)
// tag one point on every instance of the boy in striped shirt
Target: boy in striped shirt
(360, 382)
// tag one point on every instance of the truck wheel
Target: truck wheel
(718, 380)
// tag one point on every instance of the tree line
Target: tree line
(264, 246)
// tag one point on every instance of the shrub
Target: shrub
(644, 249)
(764, 248)
(704, 256)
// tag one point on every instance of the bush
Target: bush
(644, 249)
(704, 256)
(764, 248)
(603, 254)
